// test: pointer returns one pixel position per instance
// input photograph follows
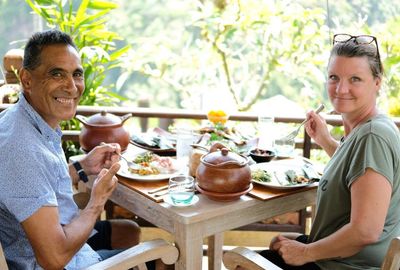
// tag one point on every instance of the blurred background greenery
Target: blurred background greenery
(196, 53)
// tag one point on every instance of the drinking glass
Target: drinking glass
(183, 149)
(284, 147)
(181, 189)
(265, 131)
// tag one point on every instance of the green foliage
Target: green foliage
(254, 42)
(238, 52)
(87, 25)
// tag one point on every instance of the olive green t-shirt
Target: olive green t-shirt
(374, 144)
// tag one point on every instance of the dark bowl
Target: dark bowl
(260, 155)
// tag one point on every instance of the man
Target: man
(40, 225)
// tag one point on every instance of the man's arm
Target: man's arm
(54, 245)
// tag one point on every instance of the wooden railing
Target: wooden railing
(304, 143)
(162, 113)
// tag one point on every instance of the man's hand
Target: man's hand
(103, 186)
(102, 156)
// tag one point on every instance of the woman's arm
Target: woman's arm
(370, 198)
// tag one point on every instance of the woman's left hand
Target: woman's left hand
(102, 156)
(292, 252)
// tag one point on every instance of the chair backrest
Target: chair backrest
(392, 258)
(3, 263)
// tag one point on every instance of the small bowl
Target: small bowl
(260, 155)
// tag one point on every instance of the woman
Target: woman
(358, 195)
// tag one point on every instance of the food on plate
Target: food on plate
(294, 178)
(261, 175)
(281, 176)
(152, 164)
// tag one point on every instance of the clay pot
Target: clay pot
(103, 127)
(223, 175)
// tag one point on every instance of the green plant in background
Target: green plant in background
(254, 42)
(234, 50)
(86, 22)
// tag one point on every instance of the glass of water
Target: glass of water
(181, 189)
(183, 149)
(284, 147)
(265, 131)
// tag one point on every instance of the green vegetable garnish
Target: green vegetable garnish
(261, 175)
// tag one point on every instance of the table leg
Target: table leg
(189, 241)
(215, 249)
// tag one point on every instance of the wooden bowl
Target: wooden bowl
(222, 196)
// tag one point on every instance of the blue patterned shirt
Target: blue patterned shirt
(33, 174)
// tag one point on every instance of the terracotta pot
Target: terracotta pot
(103, 127)
(222, 171)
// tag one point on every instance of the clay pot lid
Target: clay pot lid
(104, 118)
(223, 158)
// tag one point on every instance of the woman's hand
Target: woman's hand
(292, 252)
(317, 129)
(102, 156)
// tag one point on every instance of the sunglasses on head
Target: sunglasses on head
(359, 40)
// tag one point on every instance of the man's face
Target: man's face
(54, 88)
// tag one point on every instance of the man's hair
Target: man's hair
(40, 40)
(352, 49)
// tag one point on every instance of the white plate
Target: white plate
(168, 200)
(277, 170)
(124, 172)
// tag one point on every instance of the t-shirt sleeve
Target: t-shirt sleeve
(29, 188)
(371, 151)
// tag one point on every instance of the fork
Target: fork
(294, 133)
(128, 162)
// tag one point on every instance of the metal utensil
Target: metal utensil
(294, 133)
(160, 194)
(200, 147)
(128, 162)
(157, 189)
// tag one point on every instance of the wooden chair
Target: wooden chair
(134, 256)
(250, 260)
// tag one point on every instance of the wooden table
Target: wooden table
(208, 218)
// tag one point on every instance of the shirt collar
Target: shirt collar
(38, 121)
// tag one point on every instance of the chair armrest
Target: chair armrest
(139, 254)
(247, 259)
(392, 258)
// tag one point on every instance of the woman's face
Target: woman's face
(351, 86)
